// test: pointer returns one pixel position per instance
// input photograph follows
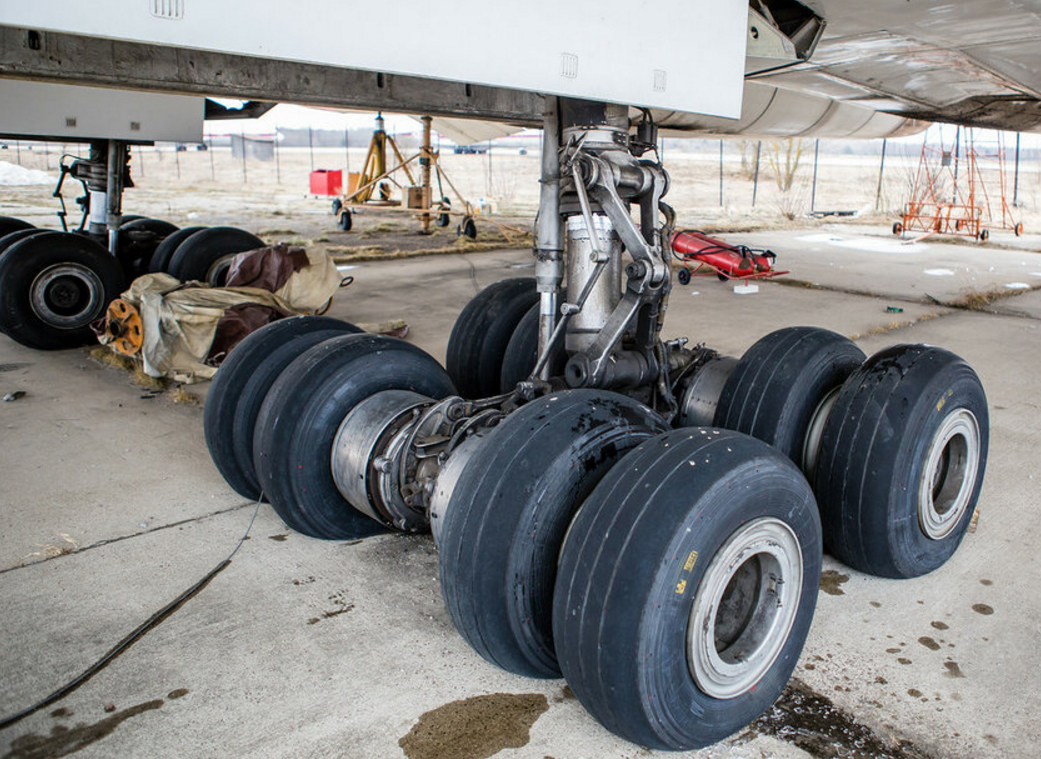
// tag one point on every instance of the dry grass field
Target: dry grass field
(271, 197)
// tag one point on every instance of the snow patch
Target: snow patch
(866, 244)
(11, 175)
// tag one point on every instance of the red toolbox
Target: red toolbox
(326, 182)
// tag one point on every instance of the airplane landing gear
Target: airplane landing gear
(671, 576)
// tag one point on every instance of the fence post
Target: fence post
(721, 173)
(813, 187)
(755, 177)
(881, 169)
(243, 142)
(1015, 181)
(278, 159)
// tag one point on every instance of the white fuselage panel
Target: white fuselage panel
(73, 113)
(685, 55)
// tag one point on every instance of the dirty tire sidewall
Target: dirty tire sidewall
(509, 512)
(301, 413)
(10, 239)
(873, 452)
(195, 255)
(9, 224)
(239, 387)
(522, 351)
(25, 260)
(136, 256)
(160, 260)
(482, 332)
(620, 612)
(778, 384)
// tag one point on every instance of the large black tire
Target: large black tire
(345, 219)
(9, 224)
(206, 255)
(780, 382)
(639, 557)
(482, 332)
(509, 511)
(299, 418)
(160, 261)
(878, 487)
(242, 382)
(138, 241)
(522, 351)
(52, 286)
(11, 238)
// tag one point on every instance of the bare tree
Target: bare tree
(783, 158)
(747, 159)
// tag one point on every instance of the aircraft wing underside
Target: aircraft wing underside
(879, 69)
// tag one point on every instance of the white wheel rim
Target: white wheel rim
(217, 274)
(949, 476)
(745, 607)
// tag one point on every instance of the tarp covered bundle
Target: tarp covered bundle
(189, 328)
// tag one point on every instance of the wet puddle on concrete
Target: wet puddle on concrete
(64, 740)
(474, 728)
(831, 580)
(815, 724)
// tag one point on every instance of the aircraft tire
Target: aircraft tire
(160, 260)
(206, 255)
(138, 241)
(779, 384)
(301, 414)
(505, 522)
(482, 332)
(242, 382)
(902, 459)
(522, 351)
(11, 238)
(52, 286)
(9, 224)
(644, 591)
(345, 219)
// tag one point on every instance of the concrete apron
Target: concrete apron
(302, 647)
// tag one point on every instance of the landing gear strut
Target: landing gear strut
(669, 575)
(54, 284)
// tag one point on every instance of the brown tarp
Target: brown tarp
(189, 328)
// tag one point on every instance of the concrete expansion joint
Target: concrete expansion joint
(120, 538)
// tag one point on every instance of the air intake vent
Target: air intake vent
(169, 9)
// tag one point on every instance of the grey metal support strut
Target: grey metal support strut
(114, 191)
(549, 248)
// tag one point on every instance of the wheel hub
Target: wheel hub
(811, 447)
(744, 608)
(364, 452)
(67, 295)
(949, 476)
